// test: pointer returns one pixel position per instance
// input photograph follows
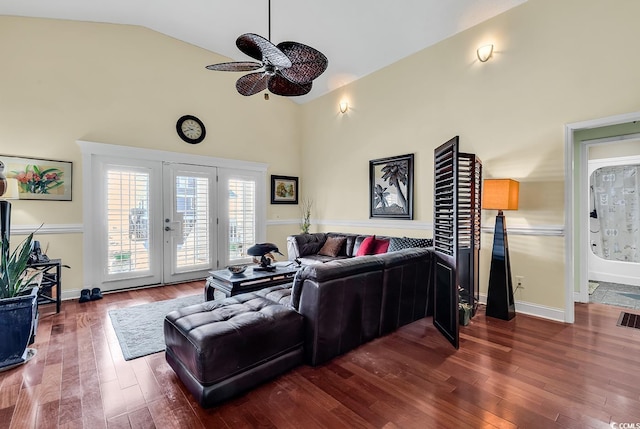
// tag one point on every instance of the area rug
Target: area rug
(140, 328)
(592, 287)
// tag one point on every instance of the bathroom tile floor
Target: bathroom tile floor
(616, 294)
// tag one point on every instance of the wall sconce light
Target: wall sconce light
(344, 106)
(485, 52)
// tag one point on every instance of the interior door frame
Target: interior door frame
(576, 269)
(91, 149)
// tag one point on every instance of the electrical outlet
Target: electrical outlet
(519, 282)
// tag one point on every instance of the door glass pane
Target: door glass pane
(192, 209)
(242, 217)
(127, 221)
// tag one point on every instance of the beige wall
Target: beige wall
(65, 81)
(554, 63)
(615, 150)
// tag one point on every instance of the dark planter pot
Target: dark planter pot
(465, 315)
(18, 321)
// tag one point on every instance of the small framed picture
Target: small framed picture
(284, 190)
(39, 179)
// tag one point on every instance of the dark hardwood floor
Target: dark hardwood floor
(527, 372)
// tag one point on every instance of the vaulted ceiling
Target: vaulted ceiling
(358, 36)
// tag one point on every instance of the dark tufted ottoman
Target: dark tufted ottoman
(224, 347)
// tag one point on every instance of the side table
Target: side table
(51, 277)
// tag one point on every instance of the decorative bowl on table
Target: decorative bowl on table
(236, 270)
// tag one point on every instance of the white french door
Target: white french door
(128, 236)
(156, 222)
(149, 221)
(189, 222)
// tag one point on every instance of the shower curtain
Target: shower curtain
(615, 218)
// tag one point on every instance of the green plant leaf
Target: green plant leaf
(12, 267)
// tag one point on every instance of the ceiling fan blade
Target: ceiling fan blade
(281, 86)
(307, 63)
(236, 66)
(252, 83)
(261, 49)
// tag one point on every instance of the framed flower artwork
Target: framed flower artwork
(40, 179)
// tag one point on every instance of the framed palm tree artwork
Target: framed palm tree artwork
(391, 187)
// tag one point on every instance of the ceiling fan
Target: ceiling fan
(289, 67)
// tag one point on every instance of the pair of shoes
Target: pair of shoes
(90, 295)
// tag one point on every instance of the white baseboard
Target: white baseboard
(537, 310)
(70, 294)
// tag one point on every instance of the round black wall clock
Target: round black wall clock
(190, 129)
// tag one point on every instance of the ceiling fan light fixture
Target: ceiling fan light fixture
(289, 67)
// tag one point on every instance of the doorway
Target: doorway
(576, 235)
(153, 217)
(154, 222)
(614, 223)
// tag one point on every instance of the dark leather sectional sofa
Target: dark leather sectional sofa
(223, 347)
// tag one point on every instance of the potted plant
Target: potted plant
(465, 309)
(464, 312)
(306, 216)
(18, 304)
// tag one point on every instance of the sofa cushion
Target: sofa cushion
(279, 293)
(332, 246)
(318, 259)
(308, 244)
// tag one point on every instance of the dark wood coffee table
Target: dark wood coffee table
(222, 283)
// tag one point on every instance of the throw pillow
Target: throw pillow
(380, 246)
(372, 246)
(332, 246)
(396, 244)
(419, 242)
(367, 245)
(408, 243)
